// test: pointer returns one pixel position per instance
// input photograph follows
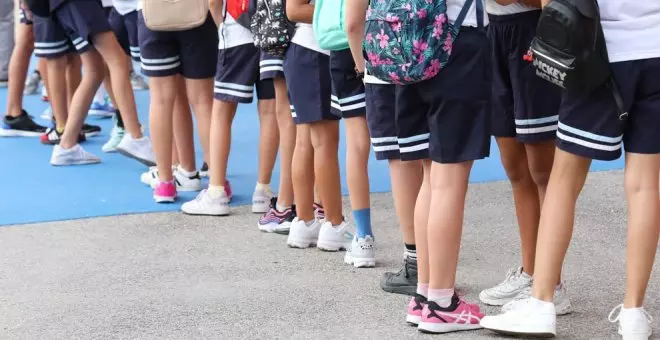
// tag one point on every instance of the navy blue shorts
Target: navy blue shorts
(456, 104)
(238, 73)
(589, 126)
(387, 138)
(192, 53)
(347, 98)
(125, 28)
(307, 74)
(524, 105)
(50, 40)
(81, 20)
(271, 67)
(22, 18)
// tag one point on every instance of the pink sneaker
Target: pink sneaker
(415, 307)
(459, 316)
(165, 192)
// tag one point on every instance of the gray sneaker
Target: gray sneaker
(402, 282)
(138, 83)
(32, 84)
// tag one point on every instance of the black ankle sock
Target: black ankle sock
(410, 248)
(120, 122)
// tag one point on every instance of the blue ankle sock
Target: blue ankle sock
(362, 219)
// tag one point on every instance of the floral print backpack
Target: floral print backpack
(409, 41)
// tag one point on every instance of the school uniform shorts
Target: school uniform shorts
(238, 74)
(125, 28)
(307, 74)
(589, 125)
(456, 104)
(270, 67)
(347, 95)
(191, 53)
(74, 23)
(390, 139)
(524, 105)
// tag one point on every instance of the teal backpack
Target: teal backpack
(409, 41)
(329, 24)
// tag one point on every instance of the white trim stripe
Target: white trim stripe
(529, 131)
(82, 45)
(544, 120)
(414, 148)
(393, 139)
(160, 67)
(415, 138)
(354, 107)
(382, 148)
(50, 44)
(589, 145)
(234, 86)
(50, 51)
(589, 135)
(271, 62)
(159, 61)
(233, 93)
(271, 69)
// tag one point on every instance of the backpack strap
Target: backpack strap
(464, 11)
(623, 114)
(480, 13)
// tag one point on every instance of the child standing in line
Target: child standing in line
(406, 176)
(455, 102)
(17, 121)
(88, 30)
(348, 101)
(590, 128)
(166, 58)
(307, 69)
(237, 77)
(524, 124)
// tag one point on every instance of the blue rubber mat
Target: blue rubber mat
(33, 191)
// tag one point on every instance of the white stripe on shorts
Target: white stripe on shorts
(50, 44)
(160, 67)
(588, 139)
(271, 62)
(271, 69)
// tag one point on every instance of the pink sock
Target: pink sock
(423, 289)
(441, 296)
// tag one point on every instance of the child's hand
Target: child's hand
(26, 10)
(532, 3)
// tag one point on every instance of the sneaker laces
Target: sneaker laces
(618, 309)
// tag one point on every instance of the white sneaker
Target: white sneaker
(261, 201)
(334, 238)
(116, 136)
(634, 323)
(76, 155)
(183, 183)
(138, 149)
(362, 253)
(302, 235)
(515, 282)
(562, 302)
(205, 205)
(47, 114)
(533, 318)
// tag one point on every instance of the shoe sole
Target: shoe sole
(413, 320)
(218, 214)
(259, 208)
(18, 133)
(300, 244)
(266, 228)
(100, 114)
(543, 335)
(92, 134)
(403, 290)
(330, 246)
(433, 328)
(130, 155)
(78, 163)
(164, 199)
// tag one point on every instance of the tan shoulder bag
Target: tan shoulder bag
(174, 15)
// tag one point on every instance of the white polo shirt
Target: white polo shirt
(124, 7)
(454, 9)
(632, 28)
(492, 7)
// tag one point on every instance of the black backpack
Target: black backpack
(271, 28)
(569, 48)
(39, 8)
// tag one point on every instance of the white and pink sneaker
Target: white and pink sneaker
(415, 308)
(459, 316)
(165, 192)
